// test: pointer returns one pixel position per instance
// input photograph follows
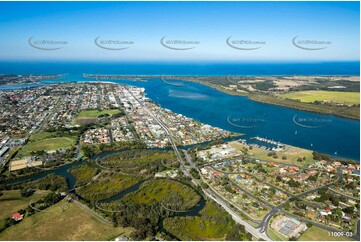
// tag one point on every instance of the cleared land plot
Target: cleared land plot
(11, 202)
(292, 153)
(318, 234)
(89, 116)
(73, 223)
(327, 96)
(21, 164)
(96, 113)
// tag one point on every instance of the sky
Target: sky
(205, 26)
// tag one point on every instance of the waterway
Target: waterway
(339, 137)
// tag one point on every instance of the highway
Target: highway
(261, 231)
(254, 231)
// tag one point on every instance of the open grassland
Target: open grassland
(89, 116)
(73, 223)
(327, 96)
(213, 224)
(318, 234)
(97, 113)
(41, 142)
(42, 136)
(275, 236)
(337, 110)
(11, 202)
(249, 90)
(50, 144)
(292, 154)
(173, 194)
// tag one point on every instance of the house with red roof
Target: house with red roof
(216, 174)
(294, 169)
(17, 216)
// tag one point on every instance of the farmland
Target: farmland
(73, 223)
(11, 201)
(325, 96)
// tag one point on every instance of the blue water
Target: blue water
(336, 136)
(181, 68)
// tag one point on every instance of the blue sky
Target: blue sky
(209, 23)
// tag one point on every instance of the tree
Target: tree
(26, 192)
(348, 210)
(238, 233)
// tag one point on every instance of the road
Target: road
(91, 212)
(184, 169)
(267, 218)
(262, 232)
(224, 203)
(277, 209)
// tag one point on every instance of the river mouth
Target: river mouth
(339, 138)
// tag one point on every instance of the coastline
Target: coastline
(338, 111)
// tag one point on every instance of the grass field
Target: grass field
(318, 234)
(158, 190)
(89, 116)
(11, 202)
(292, 153)
(42, 136)
(275, 236)
(73, 223)
(311, 96)
(96, 113)
(213, 224)
(46, 144)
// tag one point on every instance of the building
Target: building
(17, 216)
